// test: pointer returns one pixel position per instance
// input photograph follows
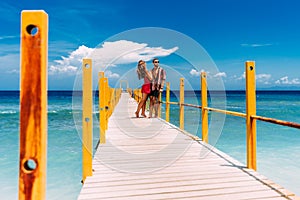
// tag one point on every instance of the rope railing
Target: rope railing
(250, 114)
(33, 108)
(238, 114)
(276, 121)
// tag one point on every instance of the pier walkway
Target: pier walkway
(151, 159)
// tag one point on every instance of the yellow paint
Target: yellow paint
(250, 110)
(204, 105)
(159, 105)
(87, 119)
(102, 108)
(106, 106)
(181, 106)
(33, 105)
(168, 102)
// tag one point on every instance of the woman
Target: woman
(146, 88)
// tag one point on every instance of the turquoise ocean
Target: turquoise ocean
(278, 147)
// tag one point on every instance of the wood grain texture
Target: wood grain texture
(152, 159)
(33, 105)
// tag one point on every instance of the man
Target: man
(158, 81)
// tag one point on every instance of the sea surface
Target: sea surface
(278, 147)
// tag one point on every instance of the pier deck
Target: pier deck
(151, 159)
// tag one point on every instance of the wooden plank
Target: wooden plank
(180, 192)
(137, 164)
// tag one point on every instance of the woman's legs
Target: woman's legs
(144, 107)
(142, 102)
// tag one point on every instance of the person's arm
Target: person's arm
(163, 79)
(162, 85)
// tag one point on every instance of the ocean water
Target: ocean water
(278, 147)
(63, 152)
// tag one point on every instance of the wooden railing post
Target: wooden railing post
(87, 119)
(159, 105)
(204, 105)
(251, 110)
(181, 106)
(102, 101)
(33, 105)
(168, 101)
(106, 106)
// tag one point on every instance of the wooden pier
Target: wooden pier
(137, 158)
(151, 159)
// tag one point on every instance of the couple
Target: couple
(154, 81)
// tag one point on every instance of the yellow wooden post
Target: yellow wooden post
(181, 106)
(87, 119)
(106, 106)
(250, 110)
(168, 102)
(33, 105)
(102, 116)
(112, 100)
(204, 105)
(159, 105)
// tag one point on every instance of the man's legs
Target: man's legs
(150, 106)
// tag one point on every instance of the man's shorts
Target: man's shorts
(154, 93)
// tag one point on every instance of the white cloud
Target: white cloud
(13, 71)
(109, 54)
(243, 76)
(263, 78)
(65, 69)
(197, 73)
(110, 74)
(194, 72)
(285, 81)
(9, 59)
(126, 52)
(8, 37)
(69, 65)
(256, 45)
(220, 74)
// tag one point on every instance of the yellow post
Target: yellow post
(250, 110)
(102, 116)
(159, 105)
(181, 106)
(168, 102)
(33, 105)
(87, 119)
(139, 95)
(112, 101)
(204, 105)
(106, 106)
(113, 98)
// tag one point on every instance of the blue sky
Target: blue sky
(227, 32)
